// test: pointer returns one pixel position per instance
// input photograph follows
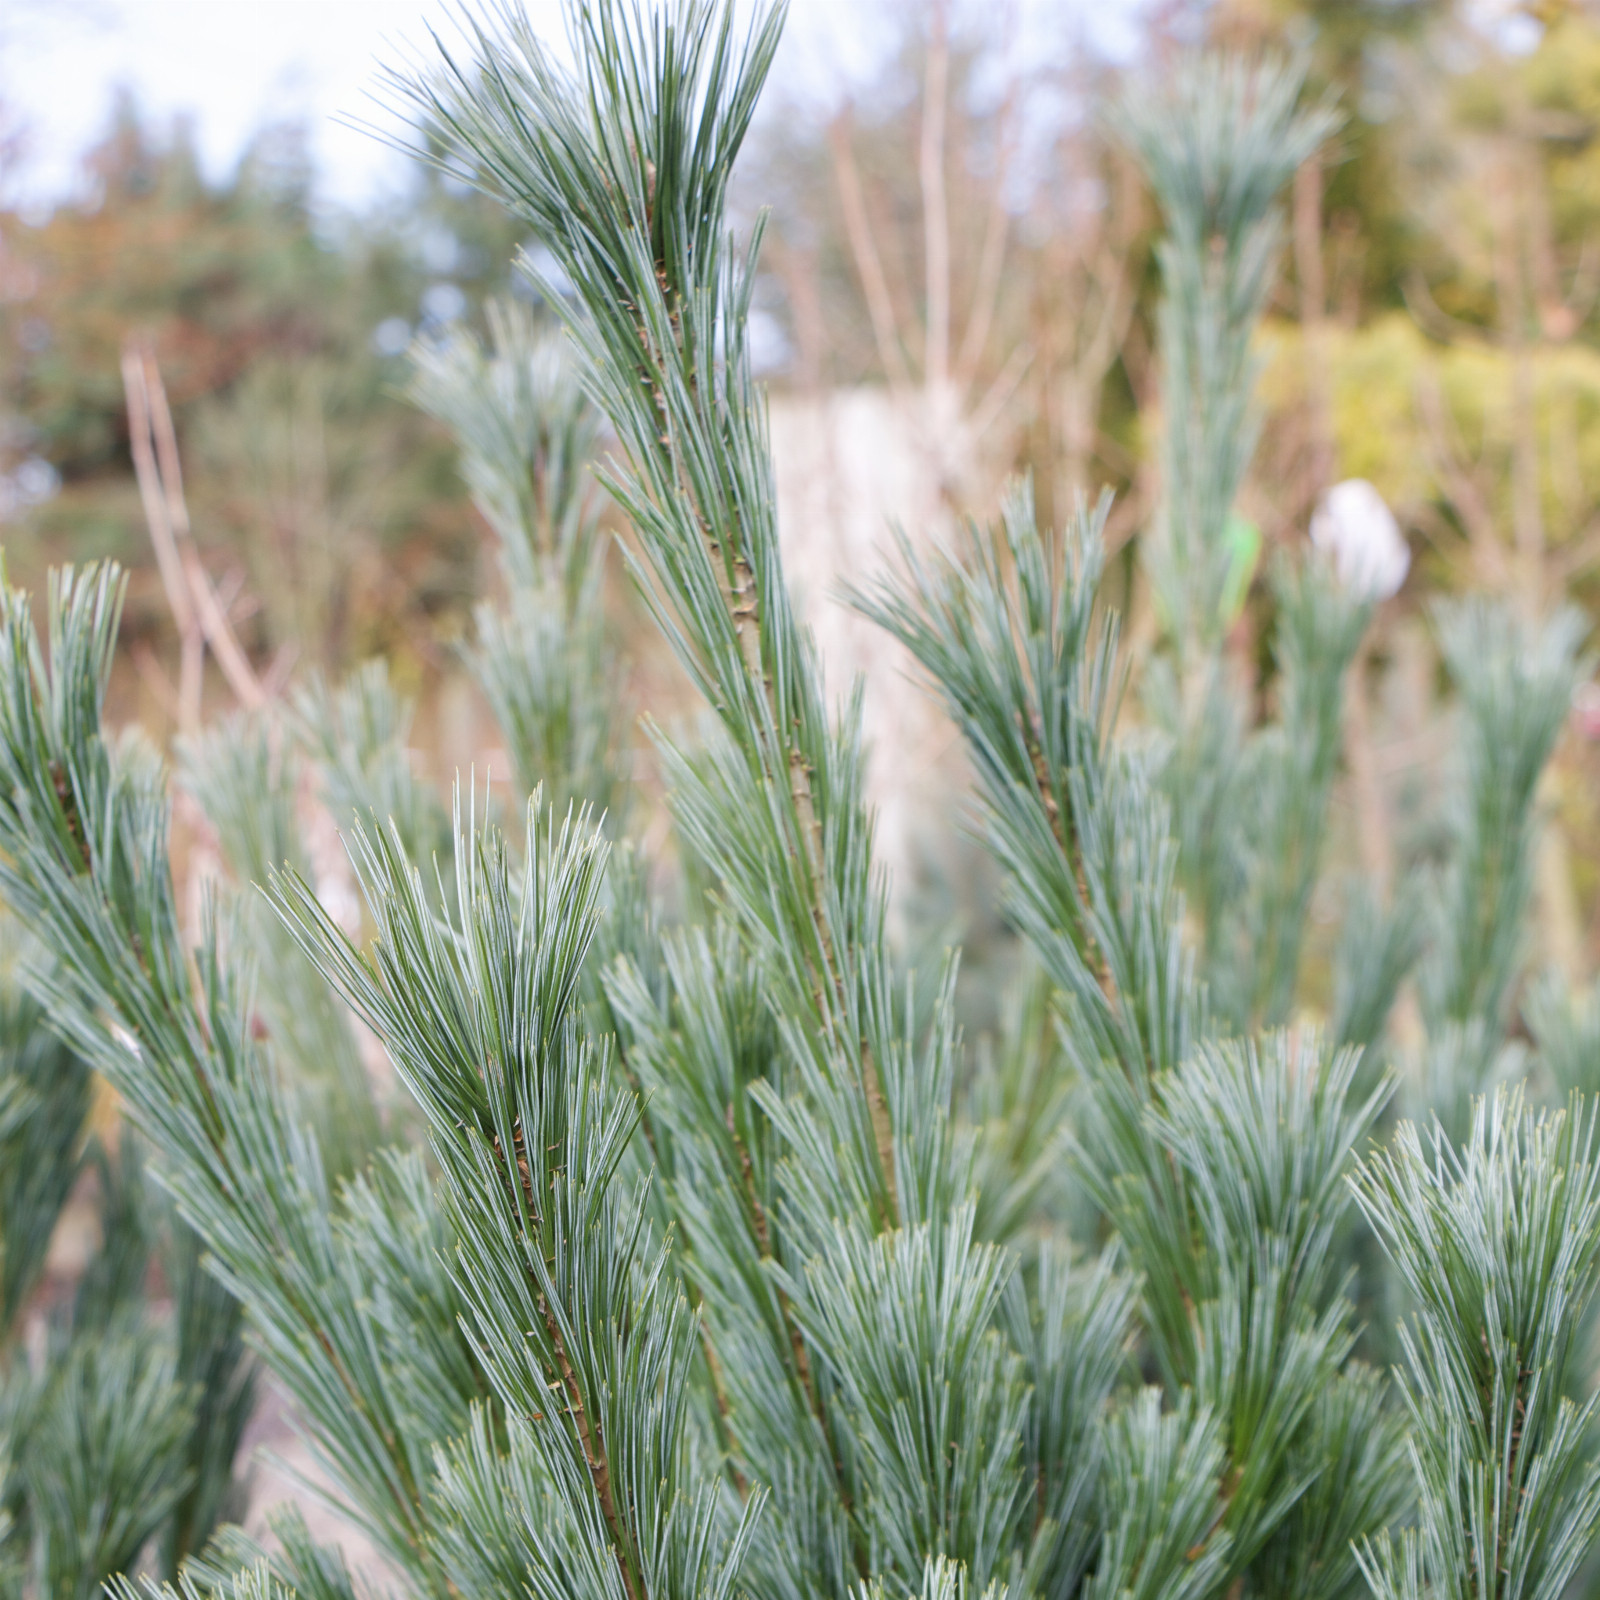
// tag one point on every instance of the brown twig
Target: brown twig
(1527, 517)
(1430, 316)
(986, 291)
(1313, 321)
(1067, 842)
(864, 248)
(197, 612)
(998, 395)
(935, 201)
(158, 517)
(276, 678)
(1460, 486)
(218, 631)
(594, 1452)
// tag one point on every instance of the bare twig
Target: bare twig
(1313, 324)
(219, 633)
(1580, 298)
(277, 674)
(797, 267)
(1126, 519)
(986, 291)
(869, 265)
(1434, 321)
(1460, 486)
(158, 516)
(1000, 391)
(200, 616)
(1527, 516)
(935, 201)
(1372, 814)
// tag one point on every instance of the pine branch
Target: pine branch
(621, 171)
(297, 1564)
(83, 863)
(216, 1370)
(696, 1052)
(1377, 949)
(245, 775)
(1017, 1105)
(640, 146)
(356, 734)
(565, 1296)
(256, 1582)
(545, 674)
(44, 1102)
(526, 433)
(942, 1579)
(1498, 1246)
(925, 1299)
(123, 1432)
(1161, 1540)
(1011, 641)
(1515, 684)
(1073, 1327)
(1318, 632)
(102, 1461)
(1249, 805)
(1217, 144)
(11, 1560)
(1565, 1027)
(1218, 1167)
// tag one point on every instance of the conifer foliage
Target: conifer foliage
(1498, 1245)
(119, 1425)
(527, 433)
(704, 1285)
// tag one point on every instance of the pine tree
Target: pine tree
(709, 1279)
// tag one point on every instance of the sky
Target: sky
(234, 65)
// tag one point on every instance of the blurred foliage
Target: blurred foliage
(213, 276)
(316, 492)
(293, 477)
(1456, 352)
(337, 508)
(1384, 435)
